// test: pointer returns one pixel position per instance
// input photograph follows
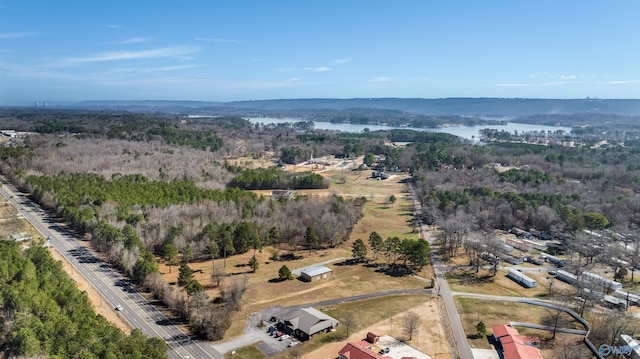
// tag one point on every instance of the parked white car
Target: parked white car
(284, 337)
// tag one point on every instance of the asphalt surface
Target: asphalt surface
(113, 287)
(459, 337)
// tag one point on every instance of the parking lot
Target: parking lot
(272, 343)
(398, 349)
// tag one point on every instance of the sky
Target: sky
(226, 50)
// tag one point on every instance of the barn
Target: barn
(315, 273)
(304, 323)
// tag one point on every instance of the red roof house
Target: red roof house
(516, 346)
(360, 350)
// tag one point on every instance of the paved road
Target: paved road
(459, 337)
(548, 328)
(114, 288)
(502, 298)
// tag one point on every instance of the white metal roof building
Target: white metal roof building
(633, 346)
(315, 273)
(521, 278)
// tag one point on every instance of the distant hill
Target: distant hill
(494, 107)
(477, 107)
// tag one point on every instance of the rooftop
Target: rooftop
(318, 270)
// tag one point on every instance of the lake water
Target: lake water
(468, 132)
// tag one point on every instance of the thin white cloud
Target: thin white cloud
(17, 35)
(153, 69)
(622, 82)
(288, 69)
(512, 85)
(115, 27)
(295, 79)
(382, 79)
(569, 77)
(556, 83)
(340, 61)
(131, 55)
(110, 81)
(214, 39)
(133, 40)
(318, 69)
(36, 72)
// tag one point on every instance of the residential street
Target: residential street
(459, 336)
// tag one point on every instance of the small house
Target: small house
(360, 350)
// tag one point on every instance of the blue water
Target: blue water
(468, 132)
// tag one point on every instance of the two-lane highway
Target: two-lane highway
(114, 288)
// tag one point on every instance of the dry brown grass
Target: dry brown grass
(22, 226)
(429, 338)
(494, 313)
(262, 292)
(466, 280)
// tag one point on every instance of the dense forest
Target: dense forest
(44, 313)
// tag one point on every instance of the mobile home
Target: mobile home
(521, 278)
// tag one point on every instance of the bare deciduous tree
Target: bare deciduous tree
(410, 322)
(232, 295)
(349, 322)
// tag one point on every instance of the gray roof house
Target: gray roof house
(307, 322)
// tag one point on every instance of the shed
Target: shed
(315, 273)
(372, 338)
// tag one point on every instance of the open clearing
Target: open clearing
(347, 280)
(377, 316)
(466, 280)
(494, 313)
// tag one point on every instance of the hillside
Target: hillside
(479, 107)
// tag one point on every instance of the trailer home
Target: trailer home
(521, 279)
(633, 299)
(552, 259)
(604, 282)
(566, 277)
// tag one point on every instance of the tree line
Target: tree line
(412, 253)
(274, 178)
(44, 313)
